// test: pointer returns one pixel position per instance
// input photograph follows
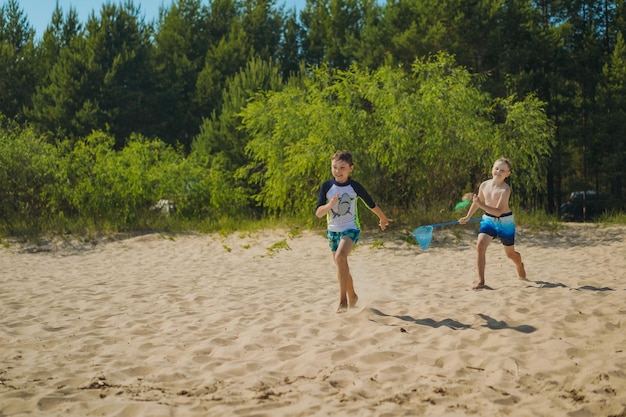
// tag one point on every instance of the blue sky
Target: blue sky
(39, 12)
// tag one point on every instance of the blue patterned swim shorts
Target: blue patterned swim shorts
(335, 237)
(502, 227)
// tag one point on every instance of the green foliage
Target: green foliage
(28, 174)
(17, 60)
(341, 32)
(417, 139)
(223, 60)
(120, 187)
(90, 184)
(449, 132)
(609, 145)
(59, 34)
(263, 24)
(613, 217)
(277, 247)
(181, 44)
(526, 137)
(377, 244)
(220, 133)
(57, 107)
(209, 190)
(101, 81)
(115, 188)
(290, 53)
(349, 78)
(286, 147)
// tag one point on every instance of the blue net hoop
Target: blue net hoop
(423, 235)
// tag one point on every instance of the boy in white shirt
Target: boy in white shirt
(337, 201)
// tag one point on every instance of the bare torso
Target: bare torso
(495, 196)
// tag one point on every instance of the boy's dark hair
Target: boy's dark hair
(345, 156)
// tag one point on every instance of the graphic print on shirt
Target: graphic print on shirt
(344, 215)
(343, 205)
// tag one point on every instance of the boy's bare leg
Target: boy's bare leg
(517, 259)
(343, 307)
(352, 297)
(346, 284)
(482, 243)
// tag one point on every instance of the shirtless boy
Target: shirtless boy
(497, 221)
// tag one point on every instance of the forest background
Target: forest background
(231, 109)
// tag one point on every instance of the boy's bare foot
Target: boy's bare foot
(353, 300)
(479, 286)
(521, 271)
(343, 307)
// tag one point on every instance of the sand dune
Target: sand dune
(245, 325)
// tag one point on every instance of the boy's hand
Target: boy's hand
(383, 223)
(463, 220)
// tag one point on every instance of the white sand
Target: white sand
(206, 325)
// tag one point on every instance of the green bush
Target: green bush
(120, 188)
(419, 141)
(87, 184)
(29, 173)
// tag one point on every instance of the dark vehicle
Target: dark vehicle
(582, 206)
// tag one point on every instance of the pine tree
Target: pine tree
(17, 60)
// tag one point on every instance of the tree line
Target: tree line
(249, 99)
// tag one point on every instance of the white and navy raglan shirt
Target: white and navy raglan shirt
(344, 214)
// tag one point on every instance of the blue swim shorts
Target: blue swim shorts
(502, 227)
(335, 237)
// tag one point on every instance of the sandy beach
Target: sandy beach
(245, 325)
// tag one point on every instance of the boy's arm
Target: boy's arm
(470, 212)
(325, 208)
(384, 221)
(369, 202)
(475, 206)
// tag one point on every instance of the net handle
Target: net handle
(475, 219)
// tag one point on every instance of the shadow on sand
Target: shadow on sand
(494, 324)
(544, 284)
(456, 325)
(452, 324)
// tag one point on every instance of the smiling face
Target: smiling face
(500, 170)
(341, 170)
